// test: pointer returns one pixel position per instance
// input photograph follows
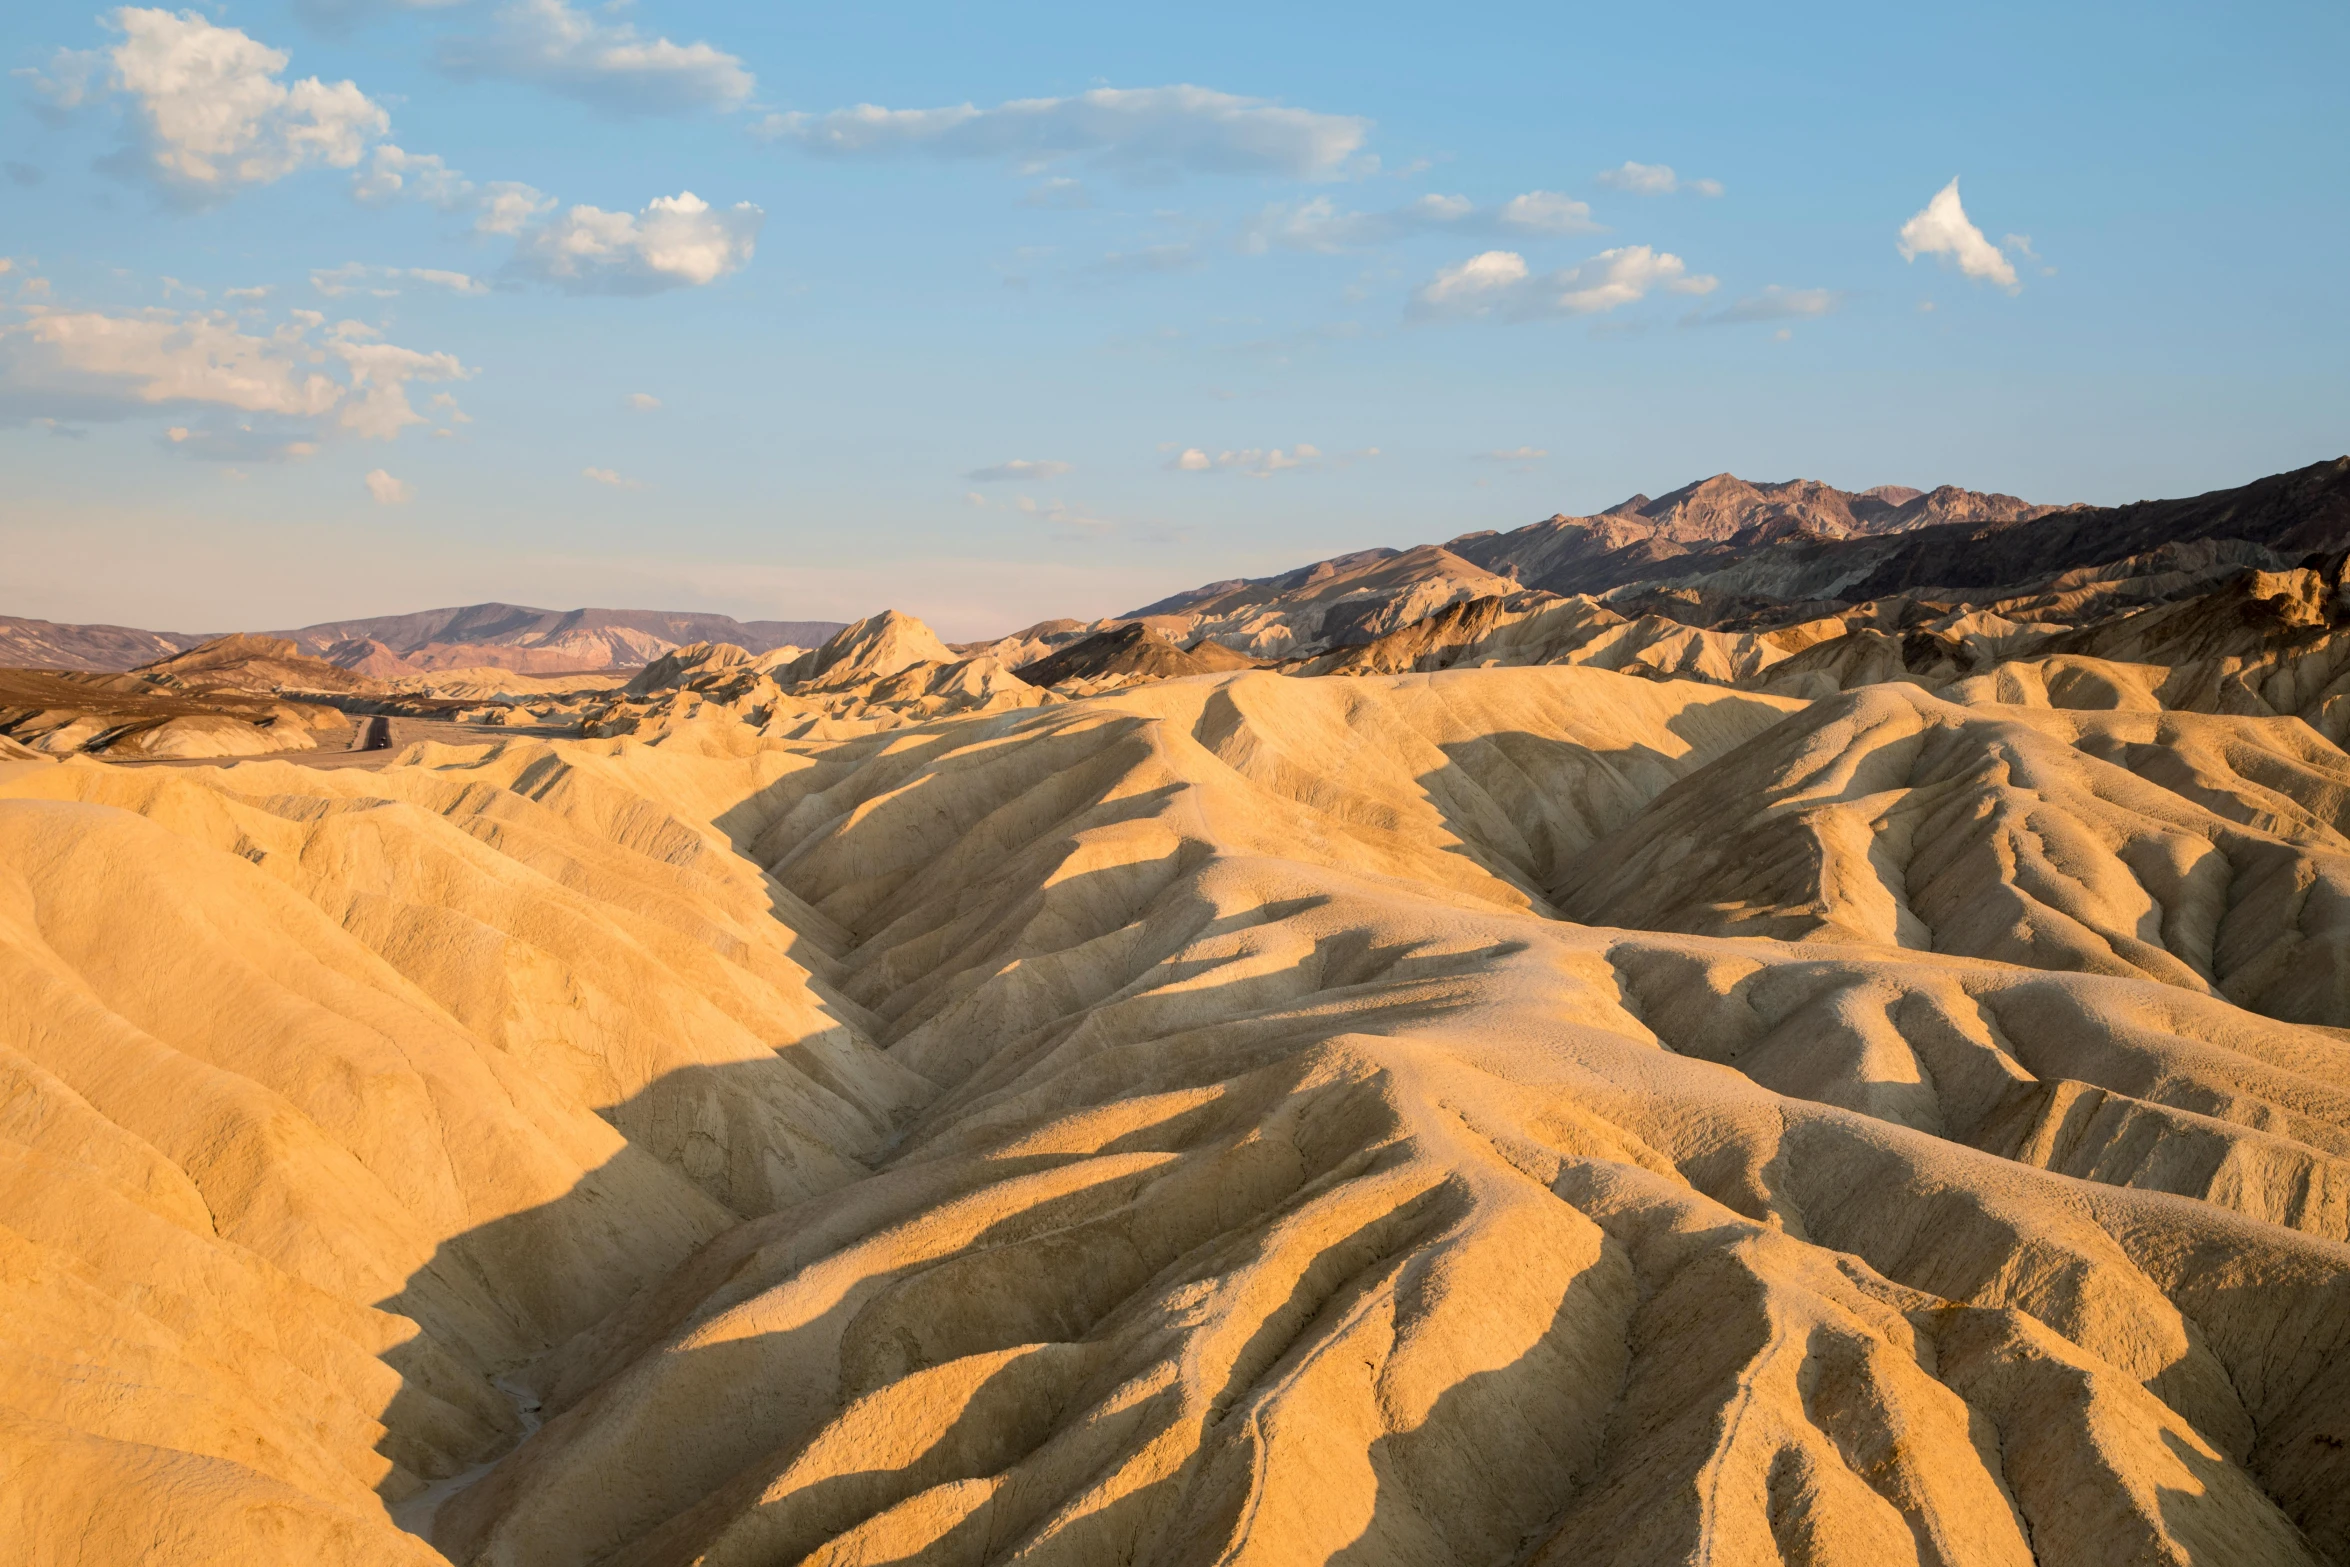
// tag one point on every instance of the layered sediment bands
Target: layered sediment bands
(1178, 1127)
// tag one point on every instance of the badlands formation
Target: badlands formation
(1549, 1074)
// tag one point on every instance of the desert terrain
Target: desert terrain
(1772, 1024)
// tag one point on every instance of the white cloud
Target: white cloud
(675, 242)
(212, 114)
(607, 64)
(1021, 468)
(1655, 179)
(1255, 461)
(643, 402)
(605, 476)
(1137, 130)
(387, 490)
(1943, 229)
(90, 365)
(1514, 454)
(259, 291)
(1499, 282)
(1774, 303)
(1481, 277)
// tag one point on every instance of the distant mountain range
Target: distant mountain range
(1727, 552)
(506, 636)
(1721, 553)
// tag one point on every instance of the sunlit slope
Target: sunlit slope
(1170, 1127)
(2207, 852)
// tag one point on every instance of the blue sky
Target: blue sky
(352, 306)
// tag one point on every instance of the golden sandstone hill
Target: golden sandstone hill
(858, 1107)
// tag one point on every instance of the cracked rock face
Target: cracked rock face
(1515, 1115)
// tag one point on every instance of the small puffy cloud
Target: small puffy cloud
(643, 402)
(387, 490)
(258, 291)
(1021, 468)
(212, 114)
(286, 386)
(1943, 229)
(1133, 130)
(607, 64)
(1255, 461)
(1485, 277)
(610, 479)
(1513, 454)
(1546, 212)
(1498, 282)
(1772, 304)
(1655, 179)
(677, 241)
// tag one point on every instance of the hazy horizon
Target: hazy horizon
(352, 307)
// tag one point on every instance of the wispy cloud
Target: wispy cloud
(1513, 454)
(1021, 468)
(387, 490)
(393, 173)
(1070, 518)
(1655, 179)
(1131, 130)
(607, 64)
(610, 479)
(1773, 303)
(1321, 225)
(1499, 283)
(1258, 462)
(301, 380)
(642, 402)
(1942, 228)
(2021, 244)
(354, 277)
(1058, 191)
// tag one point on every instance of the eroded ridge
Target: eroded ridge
(1179, 1126)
